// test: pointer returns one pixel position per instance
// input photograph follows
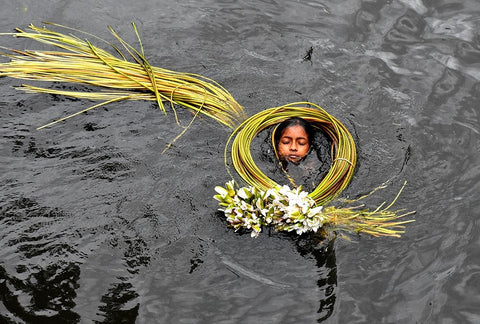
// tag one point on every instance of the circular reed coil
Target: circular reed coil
(343, 151)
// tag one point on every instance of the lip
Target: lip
(294, 158)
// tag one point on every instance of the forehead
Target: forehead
(295, 131)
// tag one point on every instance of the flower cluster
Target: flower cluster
(281, 207)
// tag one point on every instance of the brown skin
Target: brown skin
(294, 144)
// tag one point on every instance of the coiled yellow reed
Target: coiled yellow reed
(344, 155)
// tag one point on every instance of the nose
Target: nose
(293, 147)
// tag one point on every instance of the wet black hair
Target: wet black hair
(294, 121)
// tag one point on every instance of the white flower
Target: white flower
(287, 209)
(243, 193)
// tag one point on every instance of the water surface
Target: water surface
(96, 226)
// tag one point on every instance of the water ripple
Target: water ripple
(97, 226)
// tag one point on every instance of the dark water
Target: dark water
(96, 226)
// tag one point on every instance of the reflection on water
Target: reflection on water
(96, 226)
(327, 269)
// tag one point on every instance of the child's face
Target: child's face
(293, 144)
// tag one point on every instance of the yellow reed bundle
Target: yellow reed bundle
(79, 61)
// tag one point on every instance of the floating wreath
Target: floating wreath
(266, 203)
